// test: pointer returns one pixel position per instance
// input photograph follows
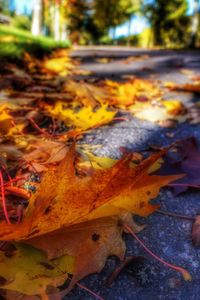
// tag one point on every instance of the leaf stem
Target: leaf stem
(42, 131)
(14, 180)
(186, 275)
(7, 173)
(4, 199)
(89, 291)
(175, 215)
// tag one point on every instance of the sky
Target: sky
(21, 6)
(137, 25)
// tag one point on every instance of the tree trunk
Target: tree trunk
(194, 24)
(64, 32)
(57, 22)
(129, 30)
(36, 27)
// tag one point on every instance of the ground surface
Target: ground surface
(168, 237)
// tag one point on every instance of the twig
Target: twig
(120, 119)
(14, 180)
(127, 261)
(186, 275)
(7, 173)
(42, 131)
(175, 215)
(4, 199)
(89, 291)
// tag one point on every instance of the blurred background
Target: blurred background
(139, 23)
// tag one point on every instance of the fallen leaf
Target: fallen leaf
(83, 119)
(174, 107)
(128, 93)
(86, 93)
(127, 262)
(104, 193)
(184, 159)
(29, 271)
(188, 87)
(89, 243)
(196, 232)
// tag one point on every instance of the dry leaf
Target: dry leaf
(30, 272)
(83, 119)
(196, 232)
(104, 193)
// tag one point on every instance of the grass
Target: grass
(14, 42)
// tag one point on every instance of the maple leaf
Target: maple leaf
(186, 160)
(29, 272)
(89, 243)
(43, 152)
(59, 65)
(196, 232)
(64, 199)
(83, 119)
(86, 93)
(128, 93)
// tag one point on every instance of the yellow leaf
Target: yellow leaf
(86, 93)
(128, 93)
(98, 162)
(58, 65)
(173, 107)
(30, 272)
(5, 120)
(82, 119)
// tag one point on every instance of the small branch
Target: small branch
(42, 131)
(4, 199)
(14, 180)
(127, 261)
(120, 119)
(89, 291)
(175, 215)
(186, 275)
(7, 173)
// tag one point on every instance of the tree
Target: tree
(80, 20)
(194, 24)
(4, 6)
(168, 20)
(36, 27)
(110, 13)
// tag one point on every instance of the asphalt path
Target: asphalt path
(168, 237)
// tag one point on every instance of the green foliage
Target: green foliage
(169, 21)
(14, 42)
(111, 13)
(21, 22)
(4, 6)
(90, 20)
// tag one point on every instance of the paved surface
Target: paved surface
(168, 237)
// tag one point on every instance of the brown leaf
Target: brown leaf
(89, 243)
(196, 232)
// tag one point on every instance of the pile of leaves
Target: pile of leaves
(63, 210)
